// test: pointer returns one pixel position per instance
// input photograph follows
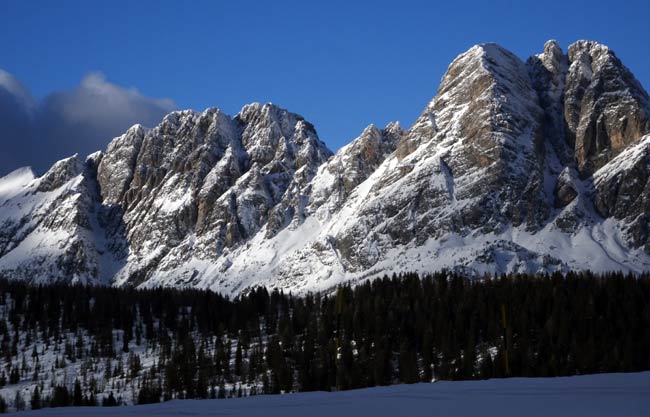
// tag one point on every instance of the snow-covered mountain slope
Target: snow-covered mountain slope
(536, 166)
(603, 395)
(50, 229)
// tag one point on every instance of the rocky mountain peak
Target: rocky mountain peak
(116, 168)
(548, 72)
(60, 173)
(552, 55)
(383, 141)
(605, 107)
(485, 74)
(267, 126)
(394, 129)
(538, 166)
(587, 51)
(351, 166)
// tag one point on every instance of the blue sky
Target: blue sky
(341, 64)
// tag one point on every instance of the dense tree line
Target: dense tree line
(402, 329)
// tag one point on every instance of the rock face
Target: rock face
(513, 166)
(205, 182)
(606, 109)
(623, 192)
(49, 224)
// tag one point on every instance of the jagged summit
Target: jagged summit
(530, 166)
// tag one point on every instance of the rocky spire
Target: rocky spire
(548, 72)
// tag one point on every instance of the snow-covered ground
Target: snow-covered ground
(605, 395)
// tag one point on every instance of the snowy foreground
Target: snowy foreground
(611, 395)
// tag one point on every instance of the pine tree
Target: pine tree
(238, 360)
(77, 396)
(36, 399)
(109, 401)
(19, 402)
(60, 397)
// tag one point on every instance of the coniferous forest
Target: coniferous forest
(75, 345)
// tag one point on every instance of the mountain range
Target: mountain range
(535, 166)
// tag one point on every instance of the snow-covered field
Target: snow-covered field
(605, 395)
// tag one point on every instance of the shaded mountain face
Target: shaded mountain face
(530, 166)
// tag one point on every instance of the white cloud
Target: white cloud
(81, 120)
(95, 93)
(16, 89)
